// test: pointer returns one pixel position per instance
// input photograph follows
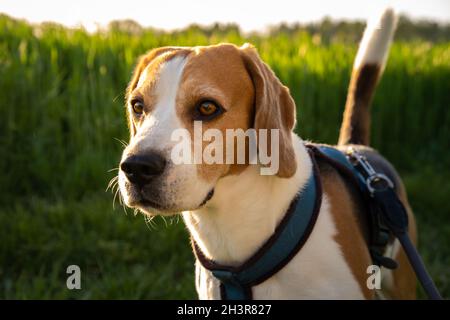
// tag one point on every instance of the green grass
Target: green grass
(120, 255)
(61, 107)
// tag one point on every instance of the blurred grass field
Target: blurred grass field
(61, 113)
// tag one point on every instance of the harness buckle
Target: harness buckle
(378, 182)
(375, 181)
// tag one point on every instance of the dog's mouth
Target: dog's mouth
(207, 198)
(150, 204)
(146, 203)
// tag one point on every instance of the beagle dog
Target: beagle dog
(230, 209)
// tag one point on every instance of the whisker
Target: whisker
(120, 198)
(175, 219)
(114, 199)
(165, 221)
(117, 97)
(112, 182)
(149, 222)
(122, 203)
(114, 187)
(123, 143)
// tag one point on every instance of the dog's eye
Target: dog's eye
(138, 107)
(208, 109)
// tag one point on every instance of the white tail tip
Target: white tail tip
(377, 38)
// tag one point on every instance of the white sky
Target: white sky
(250, 14)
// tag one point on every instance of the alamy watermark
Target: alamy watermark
(252, 147)
(74, 280)
(374, 280)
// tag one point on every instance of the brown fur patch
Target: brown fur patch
(274, 109)
(216, 73)
(355, 126)
(153, 59)
(350, 237)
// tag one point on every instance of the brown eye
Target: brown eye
(138, 107)
(208, 109)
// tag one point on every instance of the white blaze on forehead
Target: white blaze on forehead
(143, 77)
(169, 80)
(156, 130)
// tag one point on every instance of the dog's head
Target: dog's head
(224, 87)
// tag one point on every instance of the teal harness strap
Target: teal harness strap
(289, 236)
(340, 158)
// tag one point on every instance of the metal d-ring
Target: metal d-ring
(375, 178)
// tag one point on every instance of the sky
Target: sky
(249, 15)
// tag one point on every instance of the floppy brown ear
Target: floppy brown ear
(143, 62)
(274, 108)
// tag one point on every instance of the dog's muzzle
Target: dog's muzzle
(151, 183)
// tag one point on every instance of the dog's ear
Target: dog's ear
(143, 62)
(274, 108)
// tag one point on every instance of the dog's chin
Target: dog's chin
(153, 208)
(151, 211)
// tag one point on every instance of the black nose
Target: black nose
(141, 169)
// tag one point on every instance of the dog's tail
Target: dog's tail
(367, 70)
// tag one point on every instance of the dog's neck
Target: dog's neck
(245, 211)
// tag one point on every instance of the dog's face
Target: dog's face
(223, 87)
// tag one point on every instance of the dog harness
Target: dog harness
(386, 217)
